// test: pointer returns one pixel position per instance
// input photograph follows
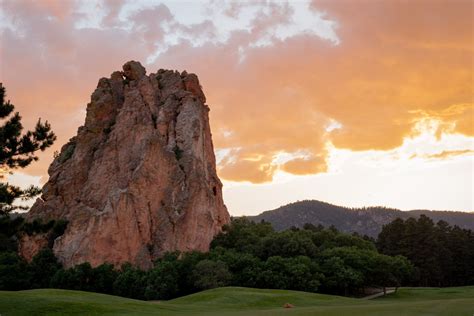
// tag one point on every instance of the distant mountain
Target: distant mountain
(365, 221)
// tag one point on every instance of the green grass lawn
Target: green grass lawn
(241, 301)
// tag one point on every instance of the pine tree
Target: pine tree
(18, 150)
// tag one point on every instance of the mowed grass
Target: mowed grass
(241, 301)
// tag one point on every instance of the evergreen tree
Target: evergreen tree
(18, 150)
(443, 255)
(42, 268)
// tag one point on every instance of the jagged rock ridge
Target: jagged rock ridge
(139, 178)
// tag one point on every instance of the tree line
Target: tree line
(248, 254)
(442, 254)
(415, 252)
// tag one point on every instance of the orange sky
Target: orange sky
(363, 77)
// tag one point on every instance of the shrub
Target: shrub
(210, 274)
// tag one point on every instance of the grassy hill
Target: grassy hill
(365, 221)
(241, 301)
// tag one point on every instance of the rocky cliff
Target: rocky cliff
(139, 178)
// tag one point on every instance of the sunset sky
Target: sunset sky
(357, 103)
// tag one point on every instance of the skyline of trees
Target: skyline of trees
(248, 254)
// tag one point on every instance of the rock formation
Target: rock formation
(139, 178)
(30, 245)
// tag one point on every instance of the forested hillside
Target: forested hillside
(364, 221)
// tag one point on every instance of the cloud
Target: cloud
(377, 83)
(404, 56)
(305, 166)
(447, 154)
(274, 85)
(112, 10)
(149, 24)
(50, 68)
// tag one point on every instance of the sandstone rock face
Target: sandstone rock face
(139, 179)
(29, 246)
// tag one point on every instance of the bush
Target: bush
(13, 272)
(67, 153)
(42, 268)
(210, 274)
(131, 282)
(103, 278)
(178, 152)
(162, 282)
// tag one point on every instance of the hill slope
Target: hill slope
(240, 301)
(365, 221)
